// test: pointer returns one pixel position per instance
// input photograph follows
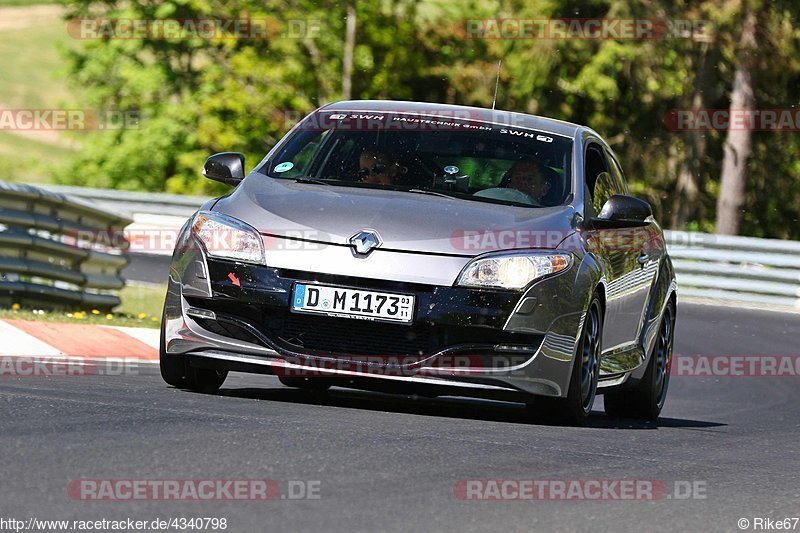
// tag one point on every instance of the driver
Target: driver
(378, 167)
(530, 177)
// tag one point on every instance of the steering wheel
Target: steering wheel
(508, 194)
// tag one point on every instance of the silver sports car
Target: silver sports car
(428, 249)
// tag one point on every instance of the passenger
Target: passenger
(531, 178)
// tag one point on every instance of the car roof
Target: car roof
(507, 118)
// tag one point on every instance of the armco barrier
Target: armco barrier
(55, 250)
(133, 203)
(736, 269)
(712, 267)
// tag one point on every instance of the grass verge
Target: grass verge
(141, 307)
(34, 77)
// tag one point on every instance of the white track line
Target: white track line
(148, 336)
(18, 343)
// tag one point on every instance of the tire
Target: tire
(312, 384)
(646, 400)
(204, 379)
(176, 371)
(575, 408)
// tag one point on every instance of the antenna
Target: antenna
(496, 83)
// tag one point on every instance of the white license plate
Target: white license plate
(353, 303)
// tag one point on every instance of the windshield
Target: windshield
(461, 159)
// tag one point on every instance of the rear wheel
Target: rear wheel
(176, 371)
(576, 407)
(647, 399)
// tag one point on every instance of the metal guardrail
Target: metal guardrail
(57, 251)
(712, 267)
(132, 203)
(736, 269)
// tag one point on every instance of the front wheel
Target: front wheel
(176, 371)
(647, 399)
(576, 407)
(204, 379)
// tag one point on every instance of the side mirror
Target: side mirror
(225, 167)
(622, 211)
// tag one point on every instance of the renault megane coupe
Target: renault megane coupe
(428, 249)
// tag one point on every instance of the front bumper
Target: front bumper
(234, 316)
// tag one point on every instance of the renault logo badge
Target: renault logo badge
(365, 241)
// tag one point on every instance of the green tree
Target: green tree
(198, 96)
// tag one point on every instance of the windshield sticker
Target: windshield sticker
(423, 123)
(283, 167)
(451, 169)
(527, 134)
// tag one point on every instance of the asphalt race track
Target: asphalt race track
(148, 268)
(379, 462)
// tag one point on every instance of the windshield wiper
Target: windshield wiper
(432, 193)
(312, 180)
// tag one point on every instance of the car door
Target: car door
(629, 265)
(645, 247)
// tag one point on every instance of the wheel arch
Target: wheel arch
(664, 293)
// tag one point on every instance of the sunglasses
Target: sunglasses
(377, 168)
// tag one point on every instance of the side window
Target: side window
(302, 159)
(603, 190)
(617, 174)
(599, 184)
(290, 163)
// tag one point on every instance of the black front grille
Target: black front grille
(343, 336)
(318, 335)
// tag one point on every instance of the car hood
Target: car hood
(405, 221)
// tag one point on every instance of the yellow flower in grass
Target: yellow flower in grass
(109, 316)
(95, 312)
(79, 315)
(15, 307)
(142, 316)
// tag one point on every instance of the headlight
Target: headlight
(511, 271)
(227, 237)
